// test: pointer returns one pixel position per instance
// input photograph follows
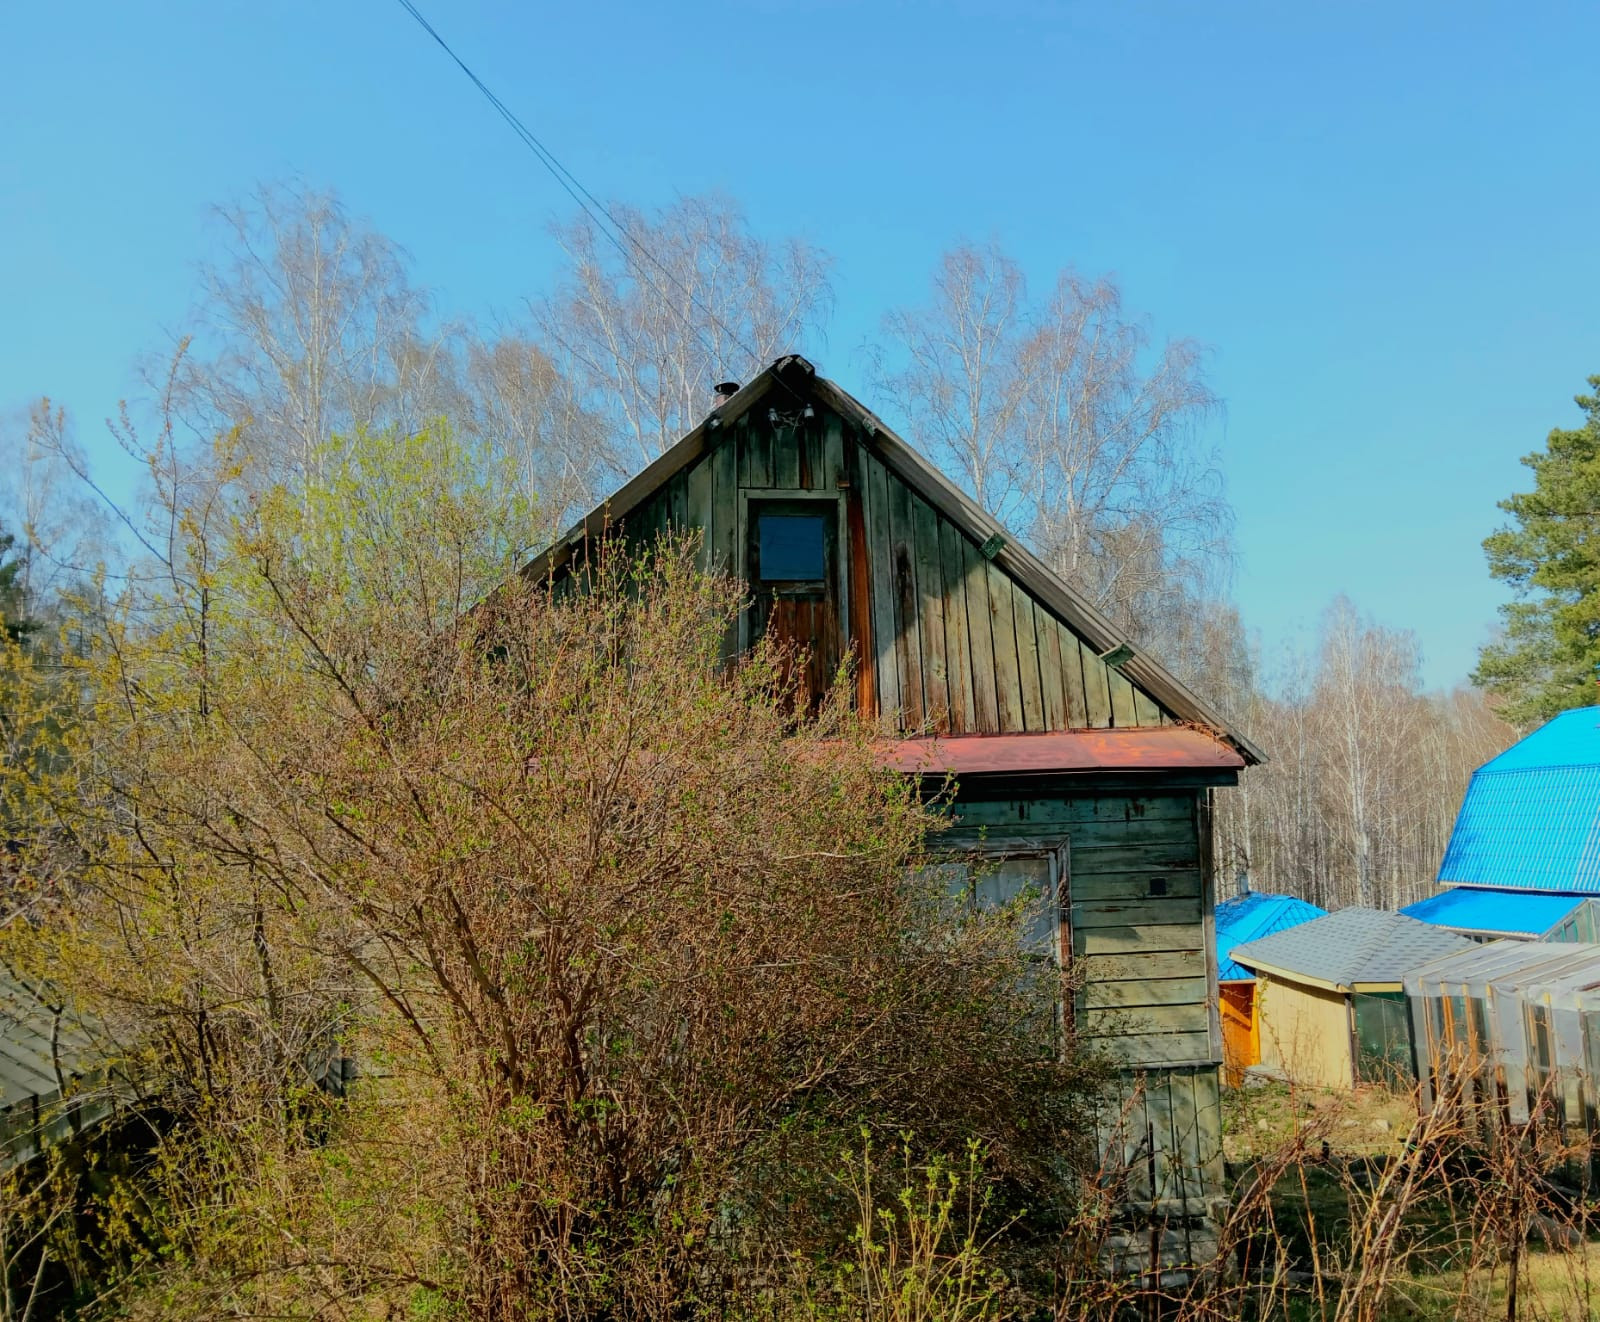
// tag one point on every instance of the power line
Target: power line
(586, 201)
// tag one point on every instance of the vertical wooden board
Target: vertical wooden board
(697, 506)
(1028, 660)
(985, 703)
(1122, 1131)
(830, 467)
(1097, 693)
(1121, 699)
(677, 494)
(1072, 678)
(723, 531)
(1207, 1091)
(755, 453)
(957, 651)
(1055, 698)
(1185, 1137)
(875, 483)
(859, 575)
(786, 457)
(1003, 638)
(1158, 1134)
(908, 640)
(931, 615)
(1145, 711)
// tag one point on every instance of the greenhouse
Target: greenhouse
(1516, 1026)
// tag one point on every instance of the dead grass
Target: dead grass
(1450, 1243)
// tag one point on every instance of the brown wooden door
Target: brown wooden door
(792, 560)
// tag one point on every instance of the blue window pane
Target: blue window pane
(791, 548)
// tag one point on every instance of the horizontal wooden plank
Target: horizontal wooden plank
(1174, 882)
(1098, 994)
(1086, 808)
(1138, 940)
(1109, 968)
(1154, 1049)
(1134, 912)
(1131, 858)
(1122, 1021)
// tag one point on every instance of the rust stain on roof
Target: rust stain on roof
(1164, 748)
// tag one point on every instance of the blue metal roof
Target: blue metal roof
(1493, 912)
(1531, 817)
(1245, 917)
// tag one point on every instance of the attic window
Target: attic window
(791, 548)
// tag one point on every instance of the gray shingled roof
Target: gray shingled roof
(1351, 946)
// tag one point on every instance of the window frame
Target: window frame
(752, 501)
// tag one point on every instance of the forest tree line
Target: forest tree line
(1056, 408)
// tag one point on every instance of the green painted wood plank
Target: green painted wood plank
(1122, 714)
(1154, 1049)
(1072, 677)
(1110, 970)
(1048, 633)
(1032, 687)
(931, 614)
(1145, 710)
(1091, 913)
(1137, 940)
(724, 531)
(903, 566)
(1003, 636)
(677, 498)
(698, 506)
(1177, 884)
(957, 649)
(1178, 805)
(1096, 691)
(1101, 995)
(875, 482)
(1155, 858)
(985, 703)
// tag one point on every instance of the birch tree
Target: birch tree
(646, 338)
(1065, 422)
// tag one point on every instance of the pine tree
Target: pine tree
(1549, 658)
(14, 616)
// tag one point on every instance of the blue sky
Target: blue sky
(1381, 218)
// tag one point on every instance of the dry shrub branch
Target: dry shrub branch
(616, 950)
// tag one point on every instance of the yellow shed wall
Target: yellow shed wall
(1305, 1032)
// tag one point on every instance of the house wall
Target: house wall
(1305, 1032)
(1139, 901)
(948, 639)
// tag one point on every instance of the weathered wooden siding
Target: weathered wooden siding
(1139, 900)
(946, 640)
(1162, 1135)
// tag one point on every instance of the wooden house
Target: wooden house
(1084, 767)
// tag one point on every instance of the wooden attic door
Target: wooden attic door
(793, 564)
